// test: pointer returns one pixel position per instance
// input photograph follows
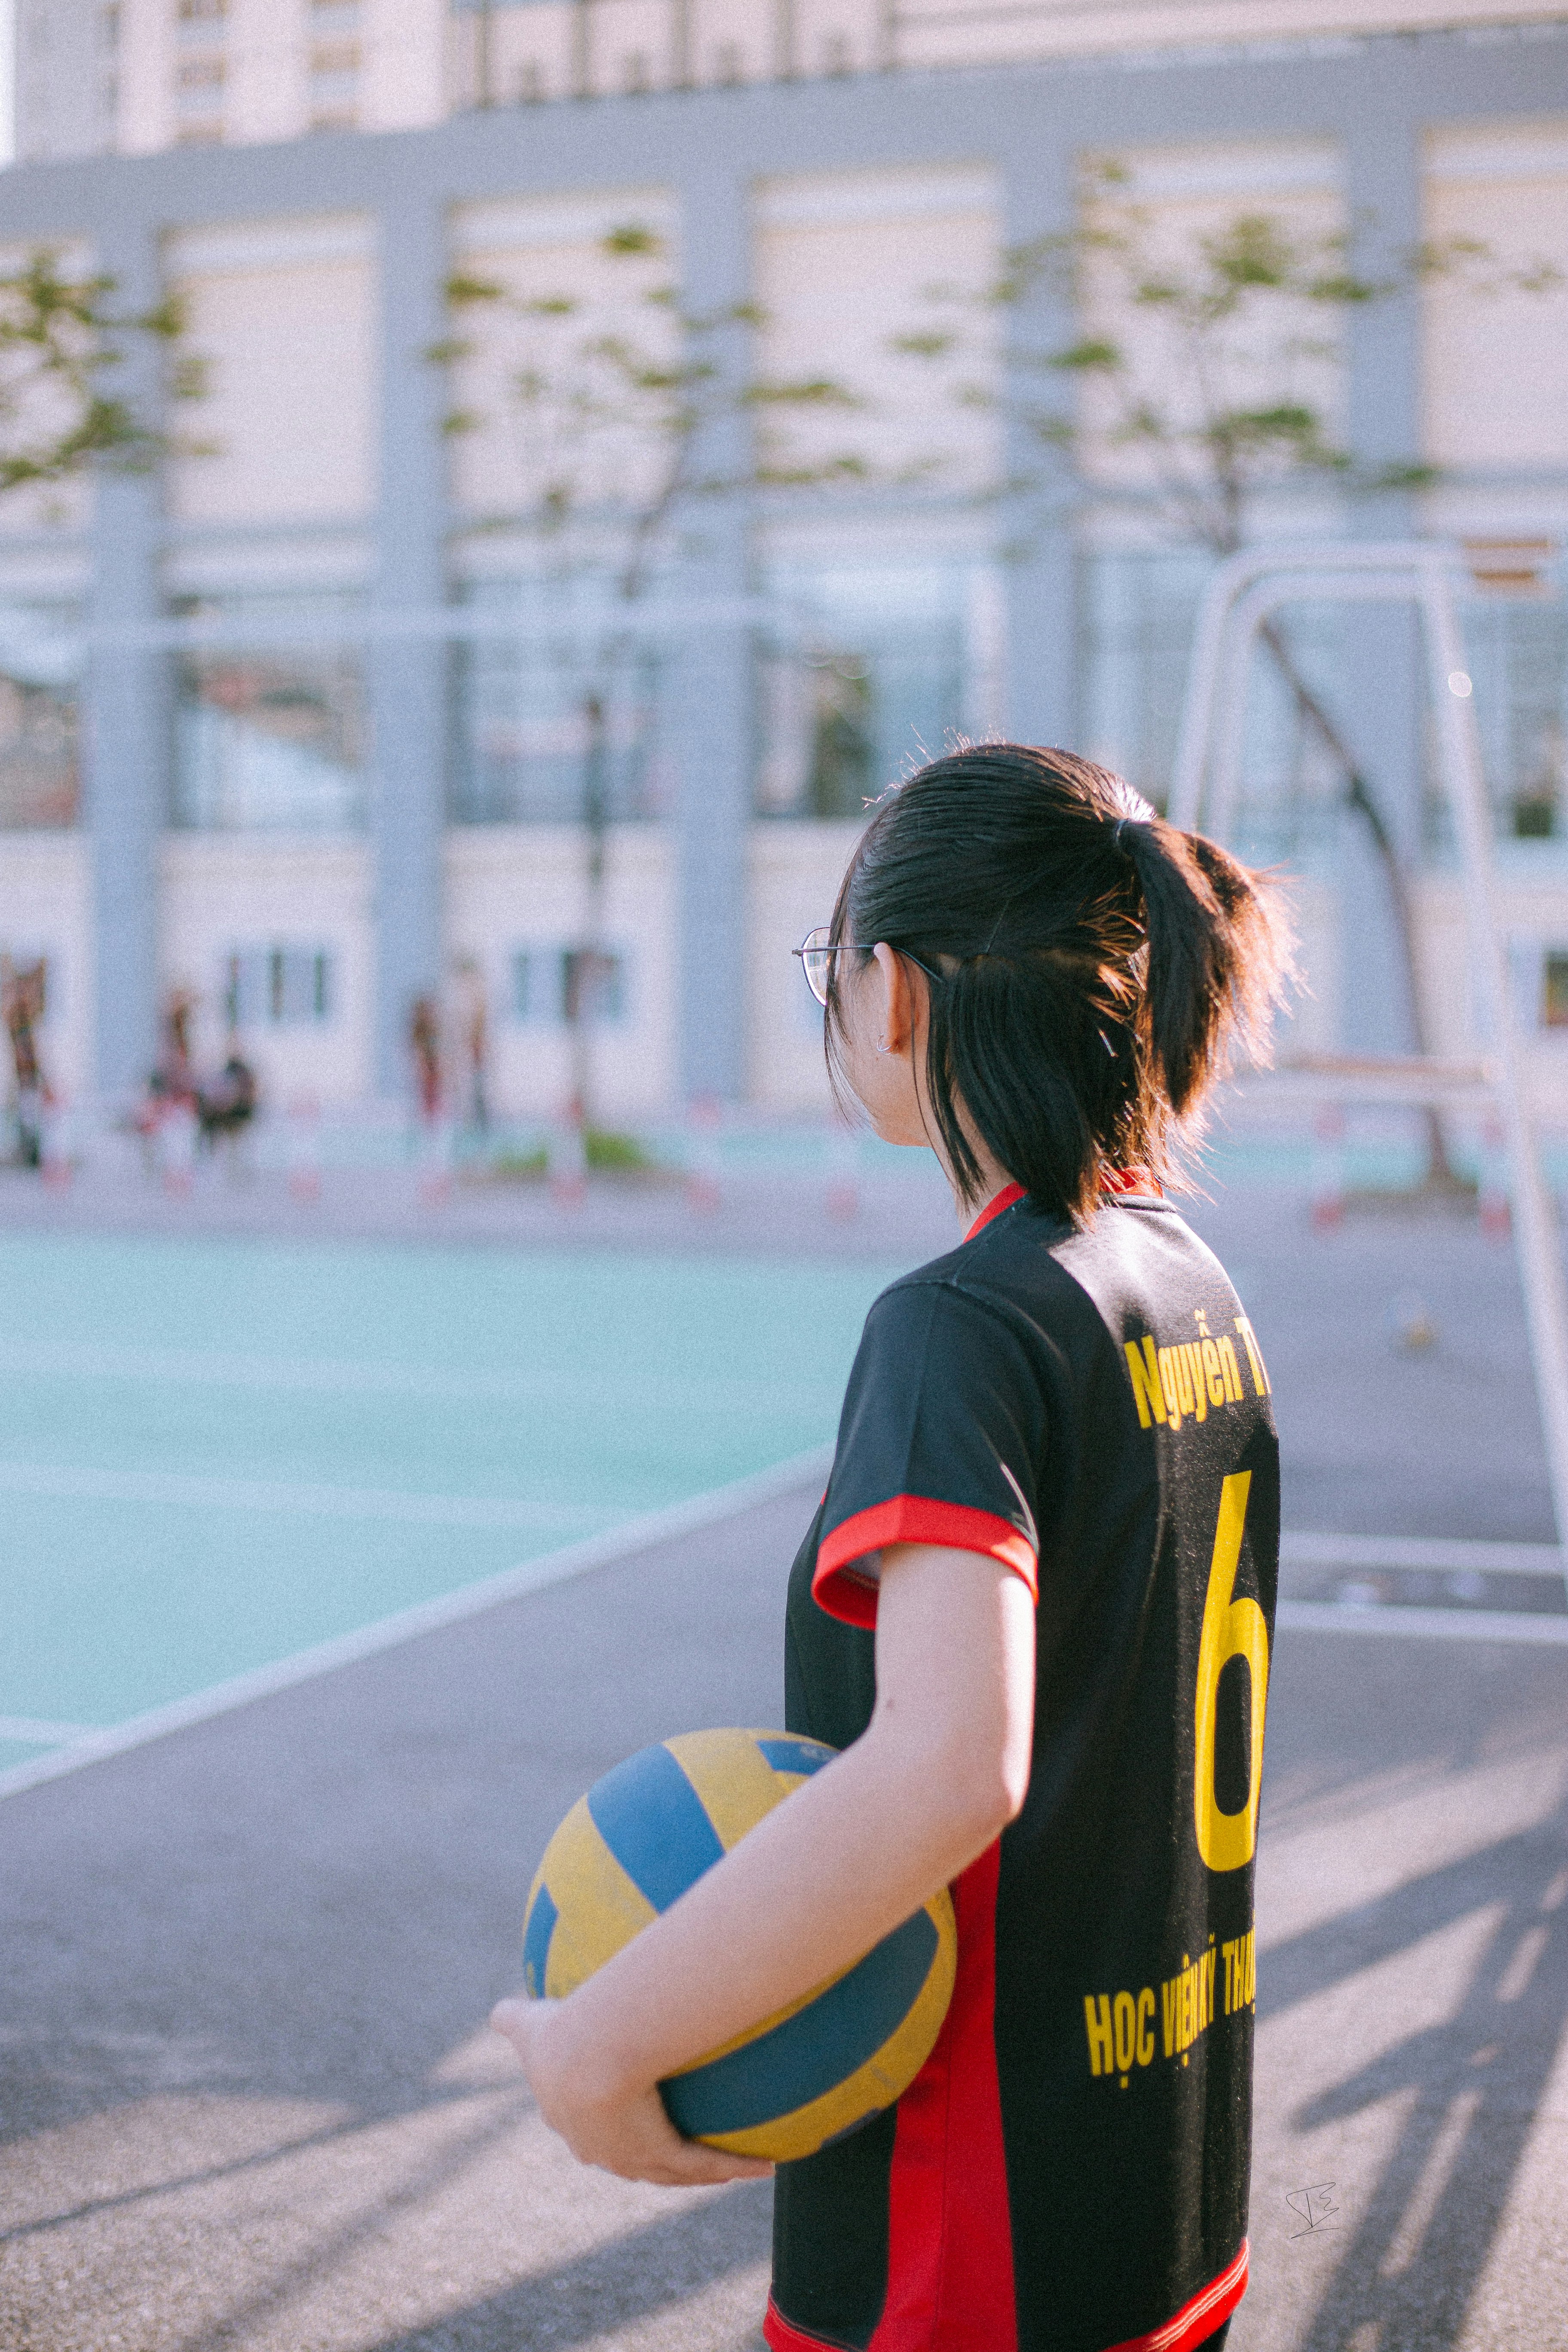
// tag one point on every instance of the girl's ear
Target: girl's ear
(894, 1002)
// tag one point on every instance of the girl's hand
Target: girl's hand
(624, 2132)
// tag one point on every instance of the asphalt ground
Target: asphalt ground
(249, 2099)
(248, 2096)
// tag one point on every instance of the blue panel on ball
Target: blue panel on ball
(536, 1937)
(653, 1821)
(796, 1754)
(811, 2052)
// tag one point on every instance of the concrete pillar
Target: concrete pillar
(126, 709)
(1040, 699)
(712, 709)
(406, 680)
(1381, 672)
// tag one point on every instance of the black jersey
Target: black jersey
(1069, 2172)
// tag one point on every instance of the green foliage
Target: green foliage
(814, 392)
(1093, 351)
(60, 335)
(633, 237)
(611, 1154)
(460, 290)
(606, 1151)
(661, 395)
(1220, 401)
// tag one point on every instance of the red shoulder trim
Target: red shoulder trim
(910, 1518)
(1197, 2320)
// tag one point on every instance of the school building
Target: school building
(339, 798)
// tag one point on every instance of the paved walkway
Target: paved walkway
(250, 2102)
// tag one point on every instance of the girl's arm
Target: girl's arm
(942, 1769)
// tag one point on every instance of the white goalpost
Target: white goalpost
(1245, 593)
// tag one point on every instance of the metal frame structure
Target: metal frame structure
(1244, 591)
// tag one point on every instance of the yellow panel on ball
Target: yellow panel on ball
(645, 1834)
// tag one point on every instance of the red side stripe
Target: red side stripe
(950, 2231)
(910, 1518)
(782, 2337)
(1190, 2328)
(1197, 2320)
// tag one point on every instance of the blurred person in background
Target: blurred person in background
(469, 1039)
(228, 1104)
(22, 998)
(425, 1051)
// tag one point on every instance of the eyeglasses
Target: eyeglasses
(816, 952)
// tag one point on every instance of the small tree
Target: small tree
(61, 335)
(1198, 380)
(628, 413)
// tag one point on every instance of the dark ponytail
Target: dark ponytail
(1092, 971)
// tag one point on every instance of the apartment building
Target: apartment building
(368, 775)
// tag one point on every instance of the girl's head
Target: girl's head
(1077, 973)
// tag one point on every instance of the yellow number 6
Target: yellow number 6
(1232, 1629)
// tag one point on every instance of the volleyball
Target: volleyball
(640, 1837)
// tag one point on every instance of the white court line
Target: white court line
(345, 1376)
(69, 1484)
(33, 1731)
(429, 1616)
(1519, 1625)
(1455, 1556)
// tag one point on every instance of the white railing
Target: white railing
(1206, 786)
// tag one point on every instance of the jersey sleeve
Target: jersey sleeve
(940, 1442)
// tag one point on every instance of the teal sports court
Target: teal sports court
(218, 1454)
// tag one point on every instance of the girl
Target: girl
(1052, 1525)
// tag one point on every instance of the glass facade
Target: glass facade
(551, 987)
(40, 751)
(278, 987)
(561, 719)
(1138, 612)
(866, 676)
(271, 739)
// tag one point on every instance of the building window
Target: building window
(278, 987)
(205, 13)
(867, 677)
(270, 739)
(40, 756)
(334, 67)
(554, 986)
(1518, 650)
(198, 79)
(553, 729)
